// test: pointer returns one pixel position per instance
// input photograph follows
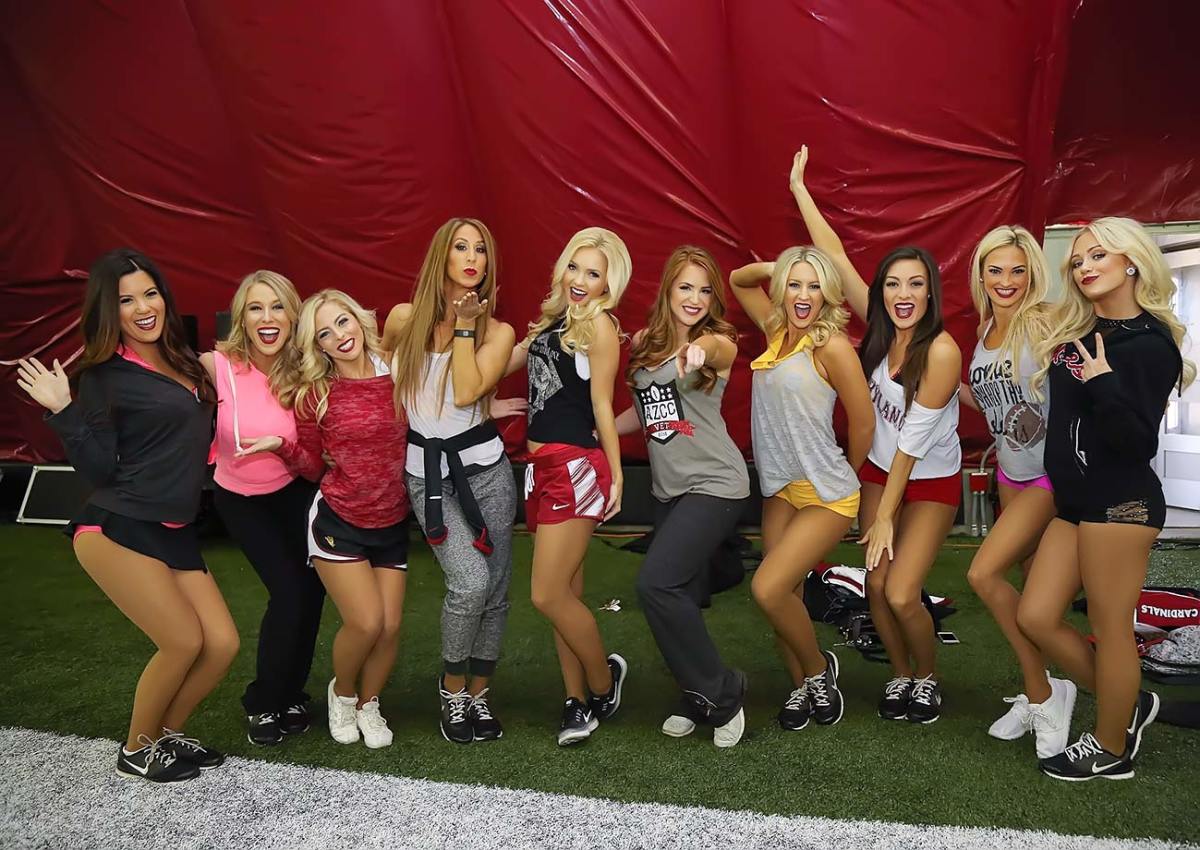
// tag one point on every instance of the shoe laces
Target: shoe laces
(158, 752)
(1025, 710)
(1086, 746)
(457, 703)
(575, 713)
(267, 718)
(818, 694)
(1041, 720)
(479, 705)
(178, 738)
(296, 708)
(798, 698)
(897, 687)
(922, 690)
(370, 717)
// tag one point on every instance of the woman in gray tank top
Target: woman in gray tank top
(678, 371)
(810, 490)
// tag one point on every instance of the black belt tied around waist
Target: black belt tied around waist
(435, 526)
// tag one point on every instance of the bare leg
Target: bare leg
(777, 513)
(354, 591)
(919, 535)
(1113, 559)
(1053, 582)
(146, 592)
(557, 585)
(1013, 538)
(219, 650)
(390, 585)
(890, 634)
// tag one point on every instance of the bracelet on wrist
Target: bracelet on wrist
(464, 333)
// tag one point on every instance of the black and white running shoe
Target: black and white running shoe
(189, 749)
(1084, 760)
(154, 763)
(578, 723)
(263, 729)
(795, 712)
(924, 701)
(1144, 712)
(484, 725)
(824, 698)
(896, 696)
(605, 706)
(295, 719)
(455, 723)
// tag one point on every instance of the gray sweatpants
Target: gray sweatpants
(475, 608)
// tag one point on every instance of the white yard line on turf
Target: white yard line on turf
(63, 791)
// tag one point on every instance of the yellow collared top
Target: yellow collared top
(770, 358)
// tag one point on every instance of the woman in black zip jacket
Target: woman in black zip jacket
(136, 422)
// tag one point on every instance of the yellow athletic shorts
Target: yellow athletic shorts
(802, 494)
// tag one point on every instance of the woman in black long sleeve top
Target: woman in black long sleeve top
(139, 431)
(1110, 365)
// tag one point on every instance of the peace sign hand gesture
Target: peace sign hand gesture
(1093, 366)
(48, 387)
(469, 307)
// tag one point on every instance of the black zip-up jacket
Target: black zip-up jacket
(140, 438)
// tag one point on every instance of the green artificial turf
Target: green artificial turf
(69, 662)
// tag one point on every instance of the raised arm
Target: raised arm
(82, 424)
(477, 370)
(603, 358)
(746, 283)
(823, 237)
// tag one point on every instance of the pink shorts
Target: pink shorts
(1004, 480)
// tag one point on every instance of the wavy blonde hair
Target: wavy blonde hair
(833, 316)
(410, 361)
(307, 393)
(1031, 321)
(1152, 289)
(237, 344)
(579, 328)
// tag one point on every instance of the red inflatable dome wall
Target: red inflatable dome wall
(328, 140)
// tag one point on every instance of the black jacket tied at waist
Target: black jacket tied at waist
(435, 526)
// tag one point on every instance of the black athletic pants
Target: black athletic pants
(271, 529)
(671, 586)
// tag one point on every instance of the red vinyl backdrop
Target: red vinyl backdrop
(328, 140)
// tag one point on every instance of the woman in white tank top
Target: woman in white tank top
(913, 471)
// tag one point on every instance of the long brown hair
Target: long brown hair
(102, 319)
(657, 342)
(880, 330)
(409, 363)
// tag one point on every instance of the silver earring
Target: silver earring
(1131, 271)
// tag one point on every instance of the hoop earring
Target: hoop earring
(1131, 271)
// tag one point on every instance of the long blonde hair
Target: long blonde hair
(578, 329)
(409, 362)
(237, 345)
(307, 393)
(657, 342)
(1152, 289)
(1031, 321)
(833, 316)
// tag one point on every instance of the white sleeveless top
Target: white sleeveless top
(1016, 419)
(433, 416)
(931, 436)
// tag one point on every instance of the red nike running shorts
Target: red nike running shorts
(565, 482)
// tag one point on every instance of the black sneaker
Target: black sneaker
(154, 763)
(1144, 712)
(605, 706)
(263, 729)
(896, 696)
(455, 724)
(578, 723)
(1084, 760)
(795, 712)
(824, 698)
(484, 727)
(924, 701)
(189, 749)
(294, 720)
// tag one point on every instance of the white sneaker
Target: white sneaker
(375, 731)
(1016, 723)
(1052, 719)
(678, 726)
(731, 732)
(343, 725)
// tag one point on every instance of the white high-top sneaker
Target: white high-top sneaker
(343, 724)
(1052, 719)
(374, 727)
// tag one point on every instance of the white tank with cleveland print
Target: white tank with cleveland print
(929, 435)
(1016, 419)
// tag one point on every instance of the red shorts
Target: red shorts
(946, 490)
(565, 482)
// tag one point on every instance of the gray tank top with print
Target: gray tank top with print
(690, 449)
